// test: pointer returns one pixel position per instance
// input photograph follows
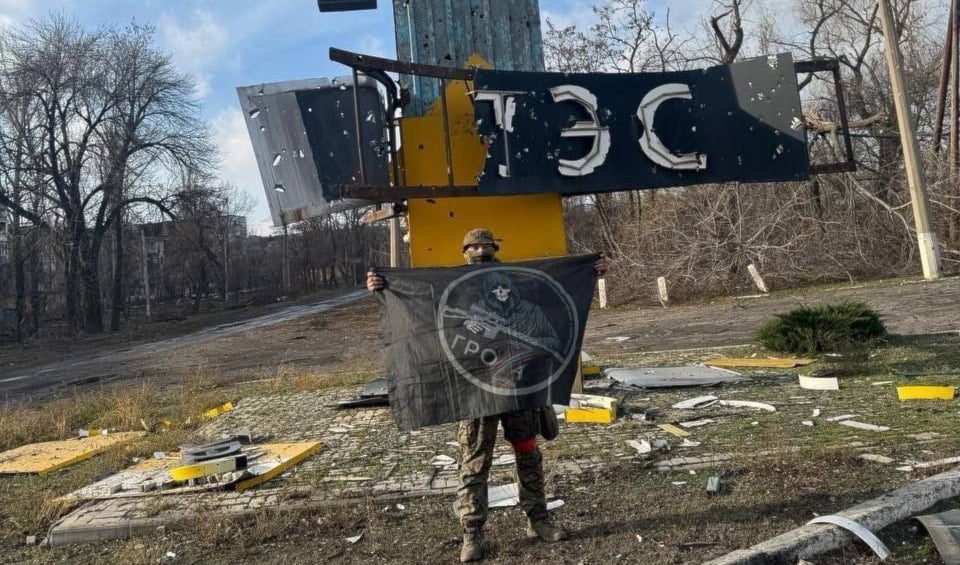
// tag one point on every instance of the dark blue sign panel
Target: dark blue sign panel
(586, 133)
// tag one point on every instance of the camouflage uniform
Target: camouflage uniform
(477, 438)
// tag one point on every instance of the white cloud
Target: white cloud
(198, 45)
(238, 165)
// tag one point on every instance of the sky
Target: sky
(230, 43)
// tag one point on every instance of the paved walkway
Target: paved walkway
(363, 455)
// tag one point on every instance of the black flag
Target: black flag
(472, 341)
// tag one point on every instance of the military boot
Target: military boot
(545, 530)
(472, 549)
(533, 500)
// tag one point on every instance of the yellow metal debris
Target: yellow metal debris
(920, 392)
(218, 410)
(772, 363)
(588, 408)
(50, 456)
(671, 429)
(288, 454)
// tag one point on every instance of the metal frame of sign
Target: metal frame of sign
(378, 67)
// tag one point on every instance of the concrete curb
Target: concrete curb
(811, 540)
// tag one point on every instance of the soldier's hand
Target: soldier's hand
(474, 326)
(375, 282)
(601, 266)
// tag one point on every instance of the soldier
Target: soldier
(477, 438)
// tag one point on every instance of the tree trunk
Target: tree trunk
(117, 305)
(19, 276)
(90, 279)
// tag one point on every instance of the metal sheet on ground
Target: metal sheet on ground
(944, 530)
(42, 458)
(665, 377)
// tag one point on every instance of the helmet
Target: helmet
(478, 237)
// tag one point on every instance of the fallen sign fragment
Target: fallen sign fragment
(587, 408)
(698, 402)
(813, 539)
(863, 426)
(925, 392)
(666, 377)
(944, 530)
(748, 404)
(766, 363)
(151, 477)
(819, 383)
(866, 535)
(42, 458)
(217, 410)
(671, 429)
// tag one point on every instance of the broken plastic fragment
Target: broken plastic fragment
(698, 402)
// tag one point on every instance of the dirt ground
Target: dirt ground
(324, 343)
(624, 512)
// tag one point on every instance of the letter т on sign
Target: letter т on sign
(585, 133)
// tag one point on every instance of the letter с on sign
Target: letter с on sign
(604, 132)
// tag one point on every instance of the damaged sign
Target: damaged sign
(596, 132)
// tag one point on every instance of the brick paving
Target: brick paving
(363, 455)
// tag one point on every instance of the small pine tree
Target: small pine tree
(815, 329)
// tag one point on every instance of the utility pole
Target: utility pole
(926, 237)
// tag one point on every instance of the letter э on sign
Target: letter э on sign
(604, 132)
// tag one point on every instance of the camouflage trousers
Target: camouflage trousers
(477, 439)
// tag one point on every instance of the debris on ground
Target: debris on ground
(152, 477)
(864, 534)
(811, 382)
(591, 409)
(944, 530)
(917, 392)
(354, 539)
(666, 377)
(697, 402)
(49, 456)
(760, 362)
(696, 423)
(217, 411)
(374, 393)
(863, 426)
(883, 459)
(647, 446)
(671, 429)
(748, 404)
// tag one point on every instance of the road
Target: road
(103, 367)
(313, 339)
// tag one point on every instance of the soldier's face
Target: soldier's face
(502, 293)
(479, 253)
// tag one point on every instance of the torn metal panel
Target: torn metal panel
(944, 530)
(665, 377)
(46, 457)
(304, 136)
(864, 534)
